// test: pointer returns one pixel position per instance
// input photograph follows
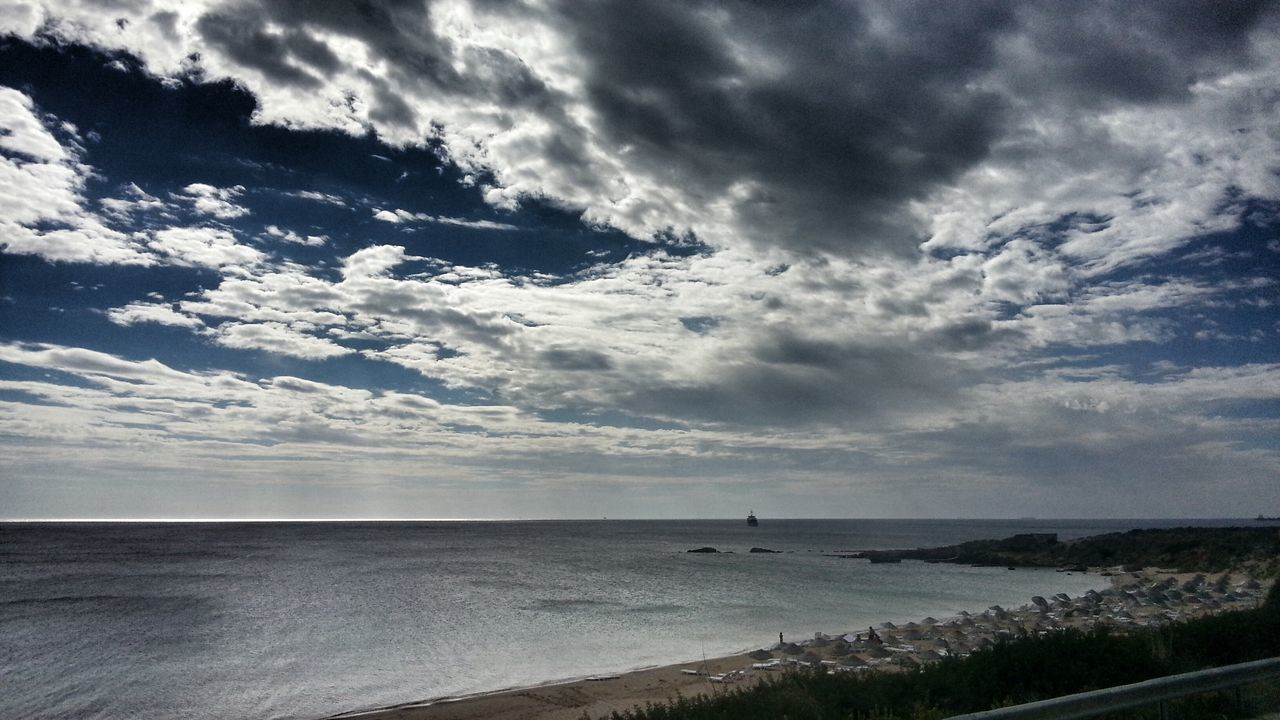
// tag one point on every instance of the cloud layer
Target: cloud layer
(1009, 256)
(834, 127)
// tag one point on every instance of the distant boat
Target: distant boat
(751, 518)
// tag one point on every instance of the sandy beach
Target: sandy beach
(569, 700)
(1134, 599)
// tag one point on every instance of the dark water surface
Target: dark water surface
(305, 620)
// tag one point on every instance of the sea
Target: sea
(308, 620)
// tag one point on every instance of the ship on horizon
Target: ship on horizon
(751, 518)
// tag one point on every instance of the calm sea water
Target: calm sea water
(305, 620)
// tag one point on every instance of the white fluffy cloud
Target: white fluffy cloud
(141, 312)
(374, 260)
(43, 210)
(290, 236)
(214, 201)
(275, 337)
(320, 197)
(134, 201)
(399, 216)
(202, 247)
(24, 134)
(1134, 182)
(41, 186)
(144, 416)
(719, 339)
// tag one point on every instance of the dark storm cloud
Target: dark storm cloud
(826, 121)
(1137, 52)
(420, 65)
(833, 115)
(812, 124)
(972, 333)
(571, 359)
(388, 107)
(397, 32)
(793, 381)
(241, 38)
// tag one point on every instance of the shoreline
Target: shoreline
(549, 684)
(560, 699)
(1133, 599)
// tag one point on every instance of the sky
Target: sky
(638, 259)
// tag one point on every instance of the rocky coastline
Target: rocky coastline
(1255, 550)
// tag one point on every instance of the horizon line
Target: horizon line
(208, 520)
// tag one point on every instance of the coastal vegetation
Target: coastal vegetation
(1015, 671)
(1185, 549)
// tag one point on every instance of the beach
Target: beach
(1133, 599)
(570, 700)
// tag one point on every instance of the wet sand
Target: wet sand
(1137, 599)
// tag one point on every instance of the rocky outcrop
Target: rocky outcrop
(1189, 549)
